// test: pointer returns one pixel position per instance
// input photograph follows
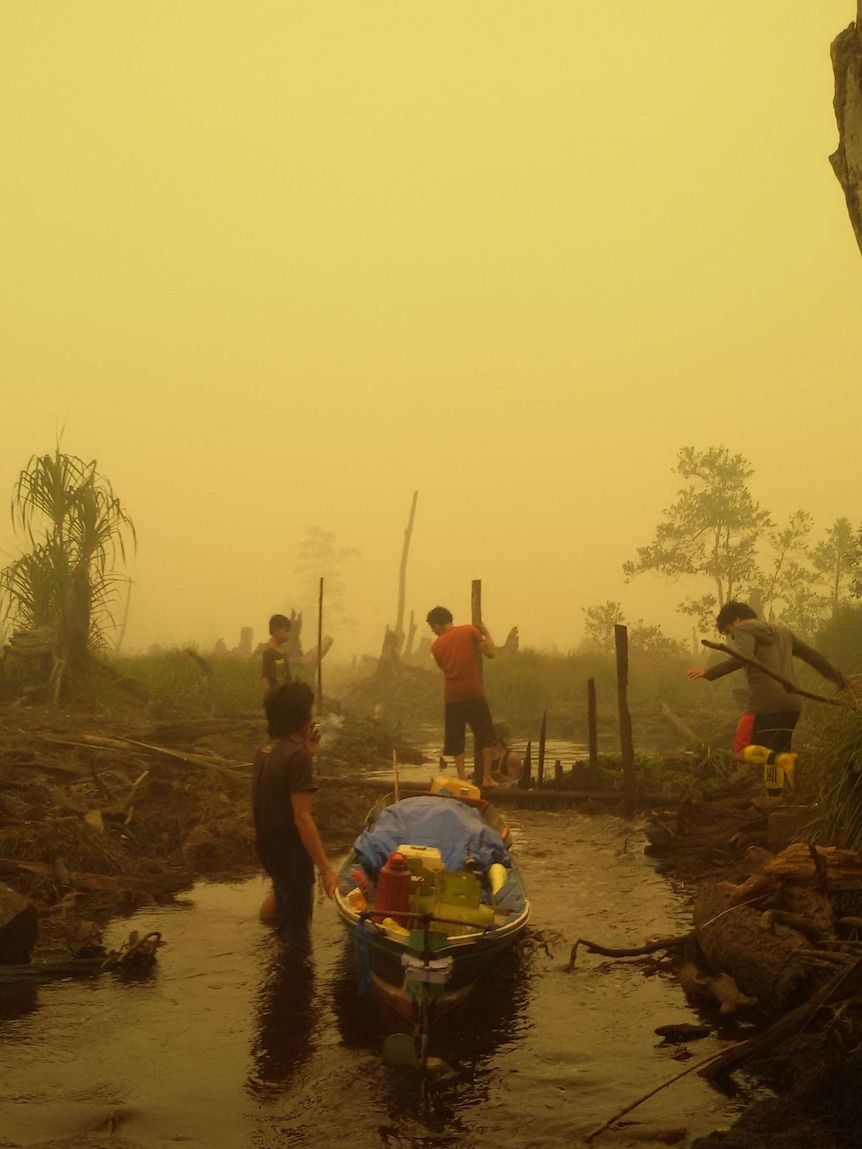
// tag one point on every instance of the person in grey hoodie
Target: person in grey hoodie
(766, 728)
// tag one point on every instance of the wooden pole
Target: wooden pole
(540, 773)
(558, 775)
(525, 779)
(593, 734)
(320, 649)
(621, 642)
(395, 772)
(402, 576)
(476, 619)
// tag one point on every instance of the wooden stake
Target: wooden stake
(621, 642)
(476, 619)
(402, 576)
(395, 771)
(320, 650)
(524, 779)
(540, 774)
(592, 734)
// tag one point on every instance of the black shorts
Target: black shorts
(459, 715)
(775, 731)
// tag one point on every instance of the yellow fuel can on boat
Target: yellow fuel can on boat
(455, 788)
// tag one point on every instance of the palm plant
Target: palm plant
(65, 584)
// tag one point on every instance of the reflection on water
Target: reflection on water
(17, 999)
(236, 1041)
(288, 1012)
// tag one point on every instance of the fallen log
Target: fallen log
(137, 953)
(845, 985)
(765, 964)
(683, 729)
(76, 879)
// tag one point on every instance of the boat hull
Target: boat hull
(421, 967)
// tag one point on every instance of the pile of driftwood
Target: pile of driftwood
(783, 930)
(781, 940)
(714, 828)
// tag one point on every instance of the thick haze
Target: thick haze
(276, 265)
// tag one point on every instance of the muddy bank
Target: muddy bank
(100, 817)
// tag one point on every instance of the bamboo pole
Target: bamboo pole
(621, 642)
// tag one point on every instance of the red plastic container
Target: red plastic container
(393, 889)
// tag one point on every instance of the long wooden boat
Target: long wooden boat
(420, 953)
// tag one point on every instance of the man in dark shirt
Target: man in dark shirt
(276, 669)
(765, 730)
(288, 841)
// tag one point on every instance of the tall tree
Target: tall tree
(600, 636)
(320, 557)
(77, 531)
(710, 532)
(785, 589)
(835, 561)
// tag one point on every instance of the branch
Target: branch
(789, 686)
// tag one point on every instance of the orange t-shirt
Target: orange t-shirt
(456, 654)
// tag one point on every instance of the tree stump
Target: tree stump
(763, 960)
(19, 926)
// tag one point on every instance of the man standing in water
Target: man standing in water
(456, 650)
(288, 841)
(765, 730)
(276, 669)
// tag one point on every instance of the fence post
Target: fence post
(540, 773)
(621, 642)
(592, 735)
(524, 778)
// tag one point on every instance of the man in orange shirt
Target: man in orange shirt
(456, 650)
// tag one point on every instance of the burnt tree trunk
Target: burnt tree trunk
(765, 963)
(846, 160)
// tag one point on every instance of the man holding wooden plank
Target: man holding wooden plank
(766, 650)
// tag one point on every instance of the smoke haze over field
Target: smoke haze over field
(278, 265)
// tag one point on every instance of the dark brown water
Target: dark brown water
(228, 1044)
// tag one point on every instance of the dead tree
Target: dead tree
(846, 160)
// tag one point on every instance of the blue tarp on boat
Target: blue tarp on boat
(450, 825)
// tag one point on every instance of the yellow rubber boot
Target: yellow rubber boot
(757, 755)
(787, 763)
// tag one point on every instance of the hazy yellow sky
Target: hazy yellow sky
(277, 265)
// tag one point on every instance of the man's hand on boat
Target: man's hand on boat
(329, 881)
